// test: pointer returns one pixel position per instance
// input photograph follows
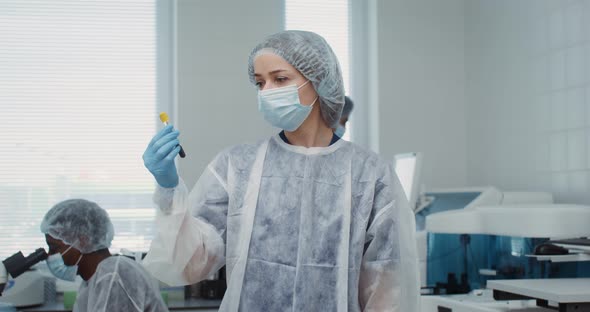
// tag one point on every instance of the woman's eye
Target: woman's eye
(259, 84)
(281, 79)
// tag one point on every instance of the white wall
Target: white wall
(493, 92)
(217, 105)
(528, 97)
(421, 80)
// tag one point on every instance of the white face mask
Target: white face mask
(281, 107)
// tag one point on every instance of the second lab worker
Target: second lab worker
(79, 234)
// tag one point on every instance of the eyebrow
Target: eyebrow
(272, 72)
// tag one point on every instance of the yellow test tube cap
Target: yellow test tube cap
(164, 117)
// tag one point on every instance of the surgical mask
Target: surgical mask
(281, 107)
(59, 269)
(340, 131)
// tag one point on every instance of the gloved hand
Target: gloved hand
(159, 156)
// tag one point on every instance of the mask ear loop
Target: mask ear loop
(79, 259)
(301, 86)
(316, 98)
(67, 250)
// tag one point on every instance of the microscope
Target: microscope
(20, 287)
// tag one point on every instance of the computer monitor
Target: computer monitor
(407, 167)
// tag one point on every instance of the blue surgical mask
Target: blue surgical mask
(340, 131)
(281, 107)
(59, 269)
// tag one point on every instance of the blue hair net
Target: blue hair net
(311, 55)
(80, 223)
(348, 105)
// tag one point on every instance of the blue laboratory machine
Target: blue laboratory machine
(468, 236)
(481, 234)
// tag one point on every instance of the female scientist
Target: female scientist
(304, 221)
(79, 234)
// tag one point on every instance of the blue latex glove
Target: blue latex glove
(159, 156)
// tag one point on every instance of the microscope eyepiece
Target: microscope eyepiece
(17, 264)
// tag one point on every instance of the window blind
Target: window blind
(78, 106)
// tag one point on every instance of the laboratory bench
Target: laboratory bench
(563, 294)
(200, 305)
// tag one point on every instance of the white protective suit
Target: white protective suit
(300, 229)
(119, 284)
